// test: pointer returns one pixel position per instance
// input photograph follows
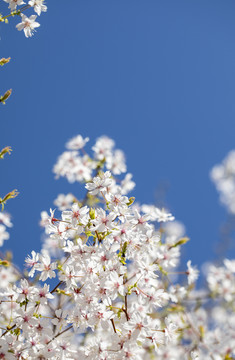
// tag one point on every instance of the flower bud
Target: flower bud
(4, 97)
(4, 61)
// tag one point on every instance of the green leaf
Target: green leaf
(5, 150)
(11, 195)
(4, 97)
(4, 61)
(131, 200)
(182, 241)
(92, 214)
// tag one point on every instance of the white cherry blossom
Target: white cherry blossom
(28, 25)
(14, 3)
(105, 286)
(38, 6)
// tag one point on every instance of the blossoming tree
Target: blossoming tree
(105, 286)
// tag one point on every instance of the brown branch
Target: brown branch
(114, 328)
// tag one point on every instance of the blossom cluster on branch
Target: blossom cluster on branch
(18, 7)
(107, 283)
(223, 175)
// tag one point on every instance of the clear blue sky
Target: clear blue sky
(157, 76)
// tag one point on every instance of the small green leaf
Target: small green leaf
(4, 97)
(5, 150)
(182, 241)
(131, 200)
(4, 61)
(4, 263)
(11, 195)
(92, 214)
(16, 331)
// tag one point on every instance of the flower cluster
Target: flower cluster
(5, 221)
(107, 284)
(223, 175)
(28, 24)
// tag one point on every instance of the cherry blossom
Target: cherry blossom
(38, 6)
(28, 25)
(107, 284)
(14, 3)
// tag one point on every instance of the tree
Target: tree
(104, 284)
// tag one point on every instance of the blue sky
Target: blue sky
(156, 76)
